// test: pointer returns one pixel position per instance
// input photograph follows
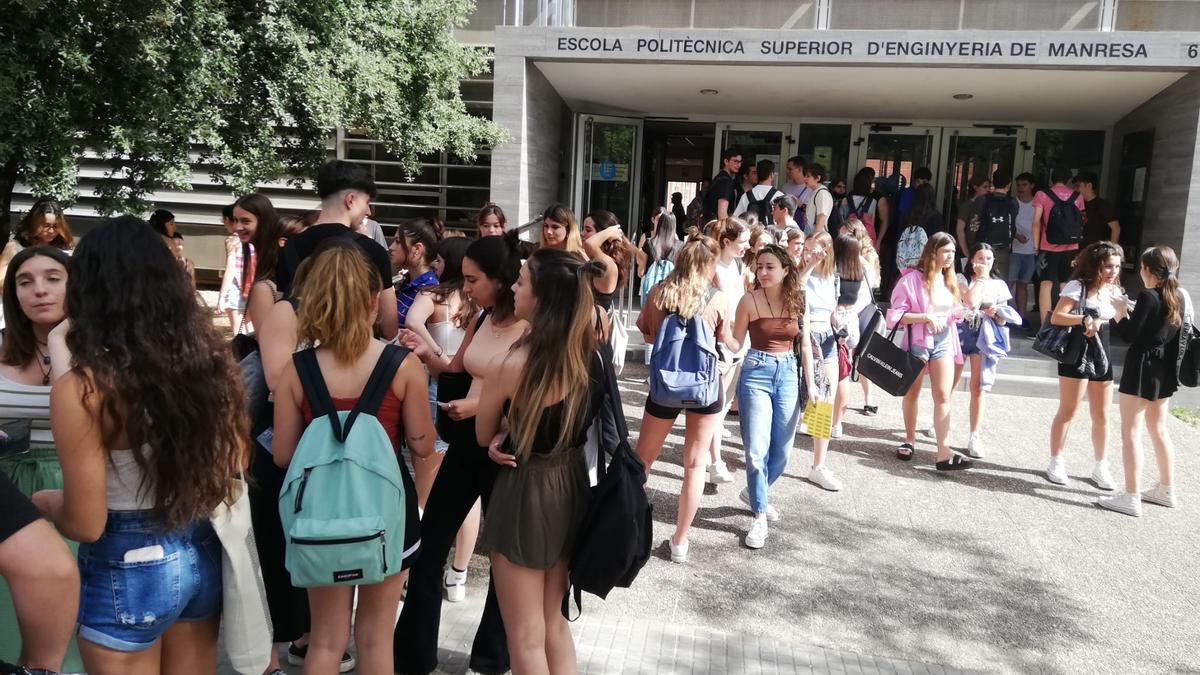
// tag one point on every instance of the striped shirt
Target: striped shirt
(27, 402)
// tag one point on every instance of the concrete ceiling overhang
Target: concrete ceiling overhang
(1098, 97)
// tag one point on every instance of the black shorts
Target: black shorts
(1072, 371)
(662, 412)
(16, 511)
(1055, 266)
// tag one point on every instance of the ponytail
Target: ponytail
(1162, 262)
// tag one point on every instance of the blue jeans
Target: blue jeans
(125, 605)
(439, 445)
(767, 391)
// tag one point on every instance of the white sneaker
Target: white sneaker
(679, 554)
(772, 514)
(1162, 495)
(718, 473)
(1057, 471)
(823, 477)
(930, 431)
(1127, 503)
(1102, 478)
(757, 536)
(975, 447)
(835, 431)
(455, 584)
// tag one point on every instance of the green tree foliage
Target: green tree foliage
(250, 89)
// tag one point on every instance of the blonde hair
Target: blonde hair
(682, 292)
(561, 214)
(859, 231)
(828, 264)
(559, 347)
(340, 288)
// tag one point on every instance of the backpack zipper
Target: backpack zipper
(383, 544)
(344, 540)
(300, 492)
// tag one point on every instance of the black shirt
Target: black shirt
(1100, 213)
(302, 245)
(723, 187)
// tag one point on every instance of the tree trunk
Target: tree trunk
(8, 181)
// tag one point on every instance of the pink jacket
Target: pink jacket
(910, 295)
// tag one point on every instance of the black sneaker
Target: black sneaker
(296, 656)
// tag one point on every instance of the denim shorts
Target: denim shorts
(942, 346)
(827, 339)
(1021, 267)
(127, 605)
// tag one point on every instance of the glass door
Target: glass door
(757, 142)
(607, 169)
(895, 151)
(971, 152)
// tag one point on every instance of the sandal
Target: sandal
(905, 452)
(870, 410)
(956, 463)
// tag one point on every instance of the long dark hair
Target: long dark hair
(923, 205)
(617, 249)
(161, 375)
(559, 346)
(418, 231)
(266, 244)
(1087, 264)
(969, 268)
(490, 210)
(862, 182)
(450, 281)
(1160, 261)
(847, 252)
(31, 223)
(499, 260)
(20, 344)
(260, 205)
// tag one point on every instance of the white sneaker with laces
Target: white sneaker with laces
(1163, 495)
(975, 447)
(1102, 478)
(679, 554)
(1057, 471)
(824, 478)
(455, 584)
(772, 514)
(757, 536)
(718, 473)
(1128, 503)
(835, 431)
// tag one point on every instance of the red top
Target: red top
(773, 334)
(388, 415)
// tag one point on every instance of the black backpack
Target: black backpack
(614, 539)
(1065, 223)
(997, 221)
(761, 207)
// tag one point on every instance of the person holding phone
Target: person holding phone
(985, 298)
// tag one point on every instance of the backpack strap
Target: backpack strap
(315, 389)
(379, 382)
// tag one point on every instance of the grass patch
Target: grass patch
(1189, 415)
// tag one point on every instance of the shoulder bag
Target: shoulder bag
(886, 365)
(1062, 343)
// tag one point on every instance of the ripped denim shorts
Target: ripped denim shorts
(138, 580)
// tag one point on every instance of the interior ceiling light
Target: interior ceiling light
(963, 97)
(708, 92)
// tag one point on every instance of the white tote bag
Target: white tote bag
(245, 621)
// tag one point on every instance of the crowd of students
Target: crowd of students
(127, 418)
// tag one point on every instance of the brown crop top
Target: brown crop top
(773, 334)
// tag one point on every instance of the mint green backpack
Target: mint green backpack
(342, 502)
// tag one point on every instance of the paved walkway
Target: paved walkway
(994, 570)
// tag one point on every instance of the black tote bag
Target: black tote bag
(1061, 343)
(886, 365)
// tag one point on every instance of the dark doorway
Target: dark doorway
(677, 156)
(1133, 181)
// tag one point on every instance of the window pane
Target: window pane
(787, 14)
(1069, 148)
(827, 145)
(1158, 15)
(968, 14)
(886, 14)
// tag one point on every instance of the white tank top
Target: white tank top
(122, 482)
(734, 287)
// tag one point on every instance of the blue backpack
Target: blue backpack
(657, 272)
(683, 367)
(343, 495)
